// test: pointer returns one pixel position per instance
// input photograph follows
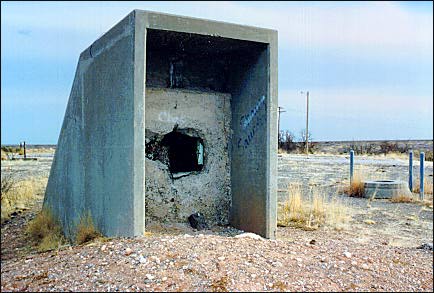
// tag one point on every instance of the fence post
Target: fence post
(351, 166)
(422, 174)
(410, 171)
(25, 154)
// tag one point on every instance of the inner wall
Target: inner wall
(198, 85)
(172, 197)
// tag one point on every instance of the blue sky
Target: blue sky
(368, 66)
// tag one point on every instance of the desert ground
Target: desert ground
(351, 244)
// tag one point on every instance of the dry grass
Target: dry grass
(4, 155)
(85, 230)
(45, 231)
(428, 192)
(312, 213)
(18, 195)
(427, 186)
(356, 188)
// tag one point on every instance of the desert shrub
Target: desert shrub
(310, 213)
(360, 148)
(85, 230)
(301, 145)
(428, 155)
(286, 141)
(45, 231)
(10, 149)
(388, 147)
(313, 147)
(356, 187)
(404, 148)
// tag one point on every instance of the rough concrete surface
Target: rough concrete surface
(206, 191)
(93, 165)
(386, 189)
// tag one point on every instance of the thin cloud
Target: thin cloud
(24, 32)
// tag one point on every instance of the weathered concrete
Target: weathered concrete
(101, 164)
(93, 167)
(386, 189)
(206, 191)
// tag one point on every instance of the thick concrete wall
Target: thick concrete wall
(252, 209)
(208, 116)
(94, 163)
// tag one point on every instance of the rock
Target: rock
(142, 259)
(313, 241)
(427, 246)
(365, 266)
(197, 221)
(150, 277)
(164, 279)
(128, 251)
(322, 259)
(347, 254)
(369, 222)
(221, 258)
(249, 235)
(104, 247)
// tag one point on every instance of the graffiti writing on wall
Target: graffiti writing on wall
(250, 123)
(246, 119)
(167, 117)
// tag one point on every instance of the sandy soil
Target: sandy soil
(400, 224)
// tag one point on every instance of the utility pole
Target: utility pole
(25, 154)
(306, 134)
(278, 123)
(307, 123)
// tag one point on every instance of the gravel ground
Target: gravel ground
(219, 261)
(380, 256)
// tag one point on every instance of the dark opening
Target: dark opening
(197, 62)
(185, 152)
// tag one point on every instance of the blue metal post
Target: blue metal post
(351, 166)
(410, 171)
(422, 174)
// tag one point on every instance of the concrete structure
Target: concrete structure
(169, 116)
(386, 189)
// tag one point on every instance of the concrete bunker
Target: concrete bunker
(168, 116)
